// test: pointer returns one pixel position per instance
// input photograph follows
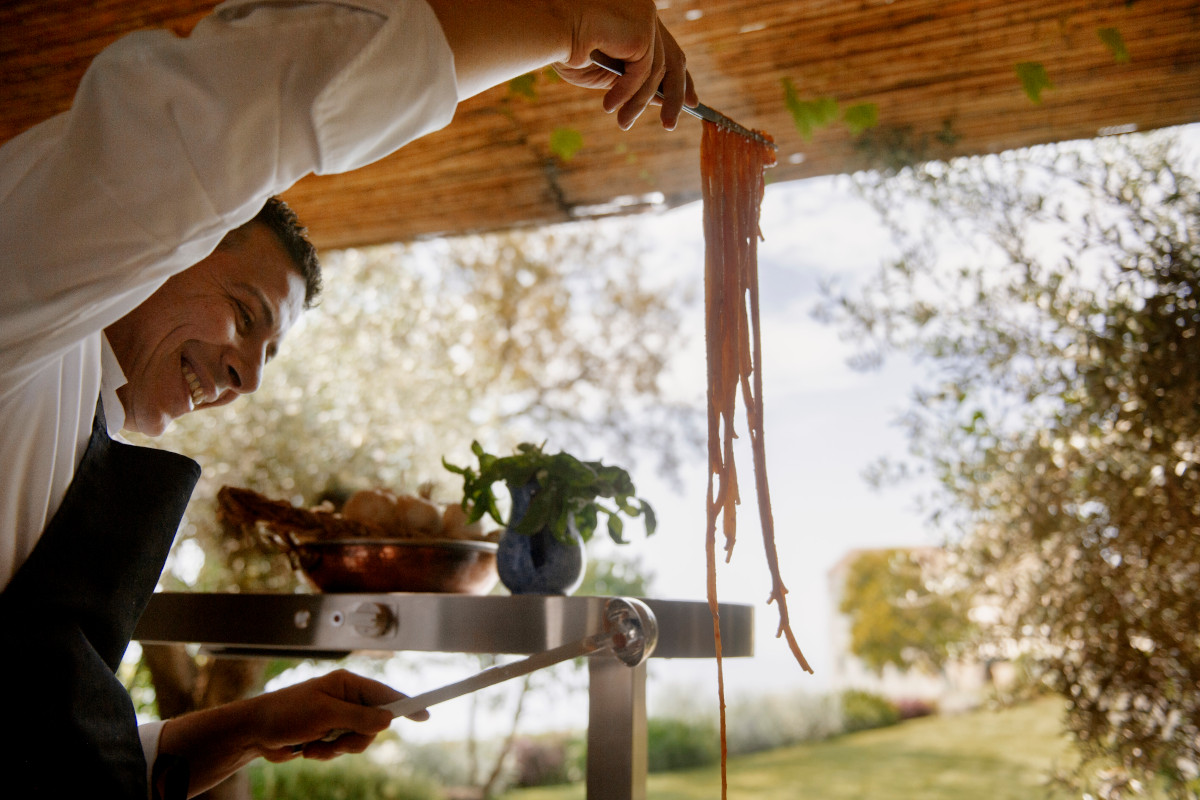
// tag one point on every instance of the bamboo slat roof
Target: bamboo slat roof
(942, 74)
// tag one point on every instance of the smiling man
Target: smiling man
(146, 274)
(203, 338)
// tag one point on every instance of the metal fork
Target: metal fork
(701, 111)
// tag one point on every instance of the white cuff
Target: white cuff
(149, 734)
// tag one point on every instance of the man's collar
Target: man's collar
(111, 378)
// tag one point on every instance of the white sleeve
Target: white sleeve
(172, 142)
(149, 733)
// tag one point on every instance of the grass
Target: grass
(990, 755)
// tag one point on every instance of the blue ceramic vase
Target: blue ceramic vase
(540, 563)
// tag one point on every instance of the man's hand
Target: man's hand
(497, 40)
(302, 715)
(653, 61)
(280, 726)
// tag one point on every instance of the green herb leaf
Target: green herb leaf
(651, 519)
(615, 529)
(523, 86)
(1034, 79)
(1115, 43)
(861, 118)
(565, 142)
(808, 115)
(585, 521)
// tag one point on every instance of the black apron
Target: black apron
(68, 614)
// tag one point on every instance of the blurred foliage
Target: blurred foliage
(766, 721)
(901, 612)
(864, 710)
(989, 754)
(914, 707)
(549, 760)
(348, 778)
(678, 744)
(809, 115)
(671, 744)
(1054, 296)
(756, 720)
(1034, 79)
(617, 575)
(891, 148)
(565, 142)
(1115, 43)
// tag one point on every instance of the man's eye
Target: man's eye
(244, 316)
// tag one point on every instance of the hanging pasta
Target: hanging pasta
(732, 173)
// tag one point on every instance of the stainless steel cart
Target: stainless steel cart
(333, 625)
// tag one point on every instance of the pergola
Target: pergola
(942, 75)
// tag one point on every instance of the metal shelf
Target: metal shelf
(333, 625)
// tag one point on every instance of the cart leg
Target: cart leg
(616, 760)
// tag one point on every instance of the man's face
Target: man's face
(202, 339)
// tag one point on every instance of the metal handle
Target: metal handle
(499, 674)
(630, 631)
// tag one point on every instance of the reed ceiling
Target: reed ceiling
(942, 75)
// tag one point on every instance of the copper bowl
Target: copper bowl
(456, 566)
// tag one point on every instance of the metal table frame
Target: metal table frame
(333, 625)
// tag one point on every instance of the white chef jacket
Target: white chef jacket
(171, 143)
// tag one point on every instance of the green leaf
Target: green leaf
(808, 115)
(523, 86)
(585, 522)
(651, 519)
(616, 529)
(565, 142)
(861, 118)
(1033, 79)
(1115, 43)
(545, 509)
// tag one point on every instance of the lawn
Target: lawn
(990, 755)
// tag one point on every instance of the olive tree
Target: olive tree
(1053, 297)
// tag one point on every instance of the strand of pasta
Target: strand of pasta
(732, 168)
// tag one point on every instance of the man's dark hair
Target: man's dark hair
(283, 222)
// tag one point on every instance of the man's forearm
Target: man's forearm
(495, 41)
